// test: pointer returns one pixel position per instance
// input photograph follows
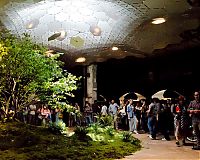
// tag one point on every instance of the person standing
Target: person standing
(153, 112)
(88, 113)
(32, 111)
(181, 121)
(113, 110)
(46, 115)
(77, 114)
(144, 117)
(104, 110)
(130, 113)
(194, 110)
(138, 114)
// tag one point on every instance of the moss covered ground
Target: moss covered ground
(19, 141)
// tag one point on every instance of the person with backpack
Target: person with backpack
(153, 113)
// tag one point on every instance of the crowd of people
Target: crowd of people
(164, 116)
(42, 115)
(155, 116)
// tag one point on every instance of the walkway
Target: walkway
(158, 149)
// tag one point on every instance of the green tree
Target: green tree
(28, 73)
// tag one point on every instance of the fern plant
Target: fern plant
(126, 136)
(105, 121)
(81, 133)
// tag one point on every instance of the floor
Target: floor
(158, 149)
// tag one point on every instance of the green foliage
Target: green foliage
(46, 145)
(27, 73)
(127, 136)
(110, 131)
(105, 121)
(81, 133)
(95, 128)
(58, 128)
(108, 134)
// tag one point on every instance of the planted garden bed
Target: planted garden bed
(21, 141)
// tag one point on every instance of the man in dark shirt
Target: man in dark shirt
(194, 110)
(153, 113)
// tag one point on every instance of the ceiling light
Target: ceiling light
(32, 24)
(115, 48)
(95, 30)
(80, 60)
(158, 20)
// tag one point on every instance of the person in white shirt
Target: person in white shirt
(104, 110)
(32, 110)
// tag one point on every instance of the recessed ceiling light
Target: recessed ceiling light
(158, 20)
(32, 24)
(80, 60)
(125, 51)
(95, 30)
(115, 48)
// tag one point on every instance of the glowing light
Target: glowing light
(158, 20)
(29, 26)
(80, 60)
(32, 24)
(115, 48)
(95, 30)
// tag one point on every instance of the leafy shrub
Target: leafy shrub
(110, 131)
(97, 137)
(136, 141)
(126, 136)
(96, 128)
(105, 121)
(58, 127)
(81, 133)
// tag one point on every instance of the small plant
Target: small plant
(136, 142)
(81, 133)
(105, 121)
(57, 128)
(126, 136)
(110, 131)
(95, 128)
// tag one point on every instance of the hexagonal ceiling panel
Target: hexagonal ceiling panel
(99, 25)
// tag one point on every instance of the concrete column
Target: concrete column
(91, 83)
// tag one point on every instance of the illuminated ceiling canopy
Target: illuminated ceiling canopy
(90, 28)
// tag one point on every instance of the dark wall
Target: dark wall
(178, 70)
